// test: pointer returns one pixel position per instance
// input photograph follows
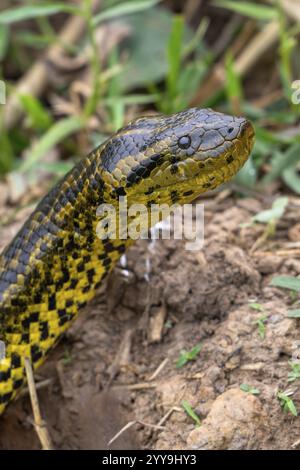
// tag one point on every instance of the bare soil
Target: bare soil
(117, 365)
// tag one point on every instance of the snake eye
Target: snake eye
(184, 142)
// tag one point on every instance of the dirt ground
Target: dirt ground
(117, 364)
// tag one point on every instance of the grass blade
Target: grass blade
(122, 9)
(174, 55)
(34, 11)
(189, 411)
(253, 10)
(39, 116)
(286, 282)
(275, 213)
(53, 136)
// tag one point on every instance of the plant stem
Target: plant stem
(92, 102)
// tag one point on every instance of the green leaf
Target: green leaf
(116, 105)
(174, 54)
(291, 407)
(287, 403)
(286, 45)
(186, 356)
(189, 81)
(248, 389)
(253, 10)
(38, 41)
(2, 93)
(233, 83)
(57, 133)
(295, 373)
(190, 412)
(147, 48)
(277, 211)
(6, 152)
(124, 8)
(39, 117)
(268, 137)
(256, 306)
(286, 282)
(34, 11)
(282, 161)
(294, 313)
(260, 322)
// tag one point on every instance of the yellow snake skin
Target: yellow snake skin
(56, 262)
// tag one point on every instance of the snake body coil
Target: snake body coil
(56, 262)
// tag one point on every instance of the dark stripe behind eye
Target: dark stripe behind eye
(143, 169)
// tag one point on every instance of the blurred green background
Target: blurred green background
(76, 71)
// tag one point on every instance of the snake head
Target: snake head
(175, 158)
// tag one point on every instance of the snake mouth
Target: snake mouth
(247, 134)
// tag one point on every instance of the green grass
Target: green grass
(286, 282)
(249, 389)
(261, 326)
(191, 413)
(256, 306)
(164, 68)
(187, 356)
(295, 372)
(287, 403)
(250, 9)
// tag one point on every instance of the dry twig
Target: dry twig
(39, 423)
(255, 49)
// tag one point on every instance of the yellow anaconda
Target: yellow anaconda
(56, 262)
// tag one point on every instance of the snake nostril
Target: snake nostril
(230, 130)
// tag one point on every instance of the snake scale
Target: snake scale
(56, 262)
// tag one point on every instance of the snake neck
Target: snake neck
(61, 252)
